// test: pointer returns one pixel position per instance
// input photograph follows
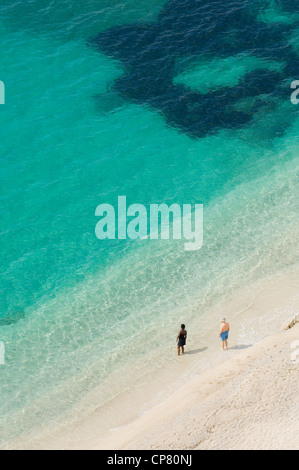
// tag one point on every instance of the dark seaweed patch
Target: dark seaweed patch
(11, 319)
(199, 29)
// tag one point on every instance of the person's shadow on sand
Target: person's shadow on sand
(196, 351)
(242, 346)
(238, 347)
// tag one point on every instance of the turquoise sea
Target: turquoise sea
(77, 313)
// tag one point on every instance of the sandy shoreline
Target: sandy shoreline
(246, 397)
(248, 402)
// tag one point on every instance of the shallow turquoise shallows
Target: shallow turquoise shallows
(75, 310)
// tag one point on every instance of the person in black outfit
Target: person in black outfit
(181, 339)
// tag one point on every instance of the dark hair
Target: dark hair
(183, 326)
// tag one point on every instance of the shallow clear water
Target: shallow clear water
(75, 310)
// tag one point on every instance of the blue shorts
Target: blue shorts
(224, 336)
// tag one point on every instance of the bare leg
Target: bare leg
(183, 350)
